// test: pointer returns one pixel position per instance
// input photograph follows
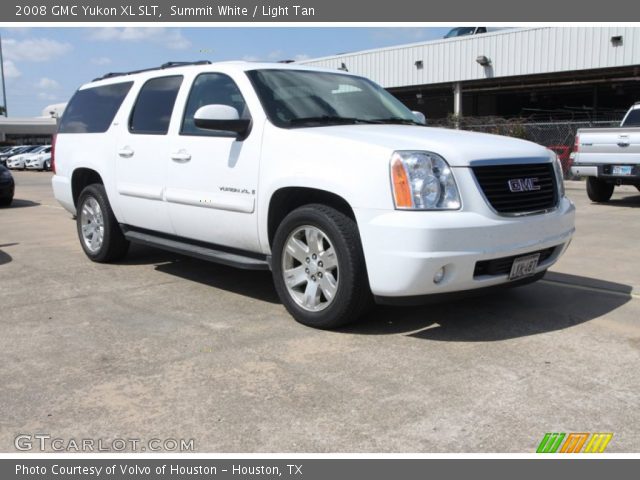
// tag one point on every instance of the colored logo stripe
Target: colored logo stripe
(598, 442)
(574, 443)
(550, 443)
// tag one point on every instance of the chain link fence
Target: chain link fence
(558, 136)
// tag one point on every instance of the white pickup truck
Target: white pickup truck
(609, 156)
(321, 176)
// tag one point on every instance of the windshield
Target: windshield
(296, 98)
(633, 119)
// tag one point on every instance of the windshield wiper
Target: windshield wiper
(329, 119)
(396, 120)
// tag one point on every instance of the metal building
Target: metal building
(544, 73)
(31, 130)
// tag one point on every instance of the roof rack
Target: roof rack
(161, 67)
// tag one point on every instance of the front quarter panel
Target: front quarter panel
(356, 171)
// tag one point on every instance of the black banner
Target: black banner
(259, 11)
(316, 469)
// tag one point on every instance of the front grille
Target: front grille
(502, 266)
(494, 181)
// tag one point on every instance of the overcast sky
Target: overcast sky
(45, 65)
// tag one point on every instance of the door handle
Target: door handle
(126, 152)
(181, 156)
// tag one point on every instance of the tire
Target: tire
(98, 230)
(46, 166)
(5, 202)
(340, 283)
(599, 191)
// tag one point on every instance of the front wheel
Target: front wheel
(598, 190)
(318, 267)
(98, 230)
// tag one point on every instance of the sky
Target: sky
(43, 66)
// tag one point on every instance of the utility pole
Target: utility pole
(4, 90)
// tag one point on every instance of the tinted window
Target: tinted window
(633, 119)
(212, 89)
(92, 110)
(152, 111)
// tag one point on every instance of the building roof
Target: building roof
(513, 52)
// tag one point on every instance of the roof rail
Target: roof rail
(161, 67)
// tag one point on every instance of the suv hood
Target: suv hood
(459, 148)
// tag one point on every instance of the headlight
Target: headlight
(423, 181)
(557, 168)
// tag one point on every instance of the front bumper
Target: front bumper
(405, 249)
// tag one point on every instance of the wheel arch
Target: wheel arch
(286, 199)
(81, 178)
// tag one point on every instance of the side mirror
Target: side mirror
(224, 118)
(420, 117)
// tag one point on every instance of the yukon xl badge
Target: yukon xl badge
(523, 185)
(237, 190)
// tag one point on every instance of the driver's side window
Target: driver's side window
(212, 89)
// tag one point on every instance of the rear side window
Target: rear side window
(152, 112)
(92, 110)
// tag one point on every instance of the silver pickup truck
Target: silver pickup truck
(609, 156)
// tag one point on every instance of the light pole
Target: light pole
(4, 91)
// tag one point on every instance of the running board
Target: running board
(198, 251)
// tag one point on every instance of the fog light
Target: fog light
(437, 278)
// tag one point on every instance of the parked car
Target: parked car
(17, 162)
(7, 187)
(10, 151)
(40, 160)
(320, 176)
(464, 31)
(609, 156)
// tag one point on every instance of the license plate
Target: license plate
(621, 170)
(524, 266)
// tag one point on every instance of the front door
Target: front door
(212, 178)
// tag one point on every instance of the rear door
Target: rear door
(142, 155)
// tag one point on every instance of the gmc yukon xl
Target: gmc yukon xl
(320, 176)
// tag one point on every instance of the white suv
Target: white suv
(321, 176)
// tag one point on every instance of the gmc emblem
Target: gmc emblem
(523, 185)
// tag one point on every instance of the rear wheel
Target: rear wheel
(98, 230)
(318, 267)
(598, 190)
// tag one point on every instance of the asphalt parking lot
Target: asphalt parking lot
(163, 346)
